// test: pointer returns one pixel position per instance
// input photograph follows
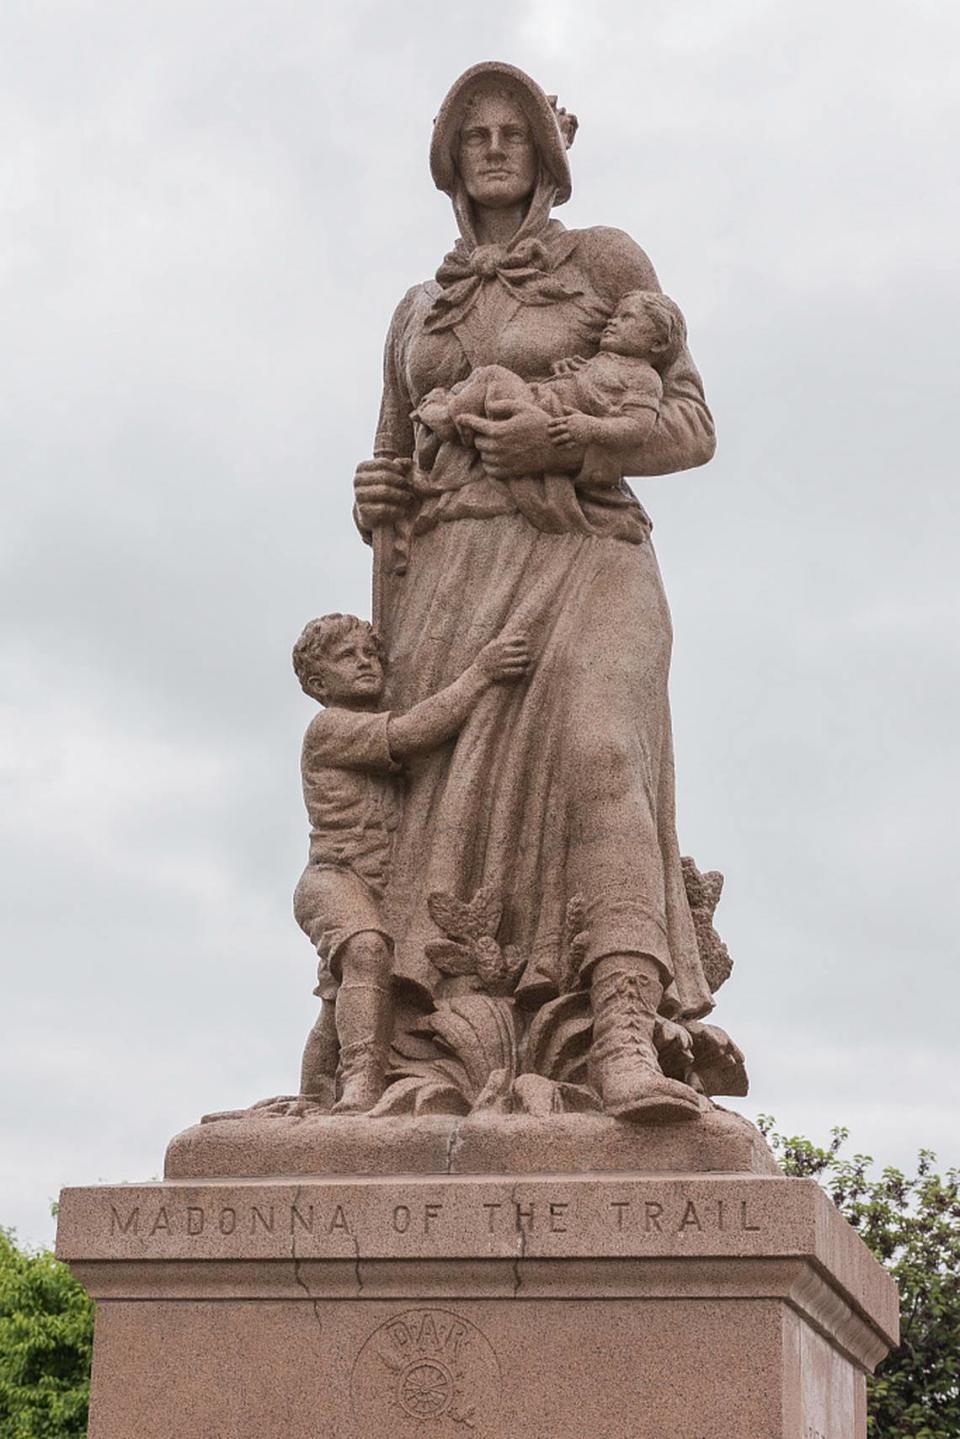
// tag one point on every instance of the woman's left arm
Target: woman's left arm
(683, 436)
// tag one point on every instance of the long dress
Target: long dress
(561, 786)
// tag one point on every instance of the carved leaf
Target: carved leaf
(718, 1062)
(480, 1032)
(398, 1098)
(463, 921)
(440, 1098)
(419, 1095)
(450, 957)
(559, 1038)
(489, 961)
(574, 941)
(579, 1099)
(674, 1049)
(717, 964)
(534, 1094)
(411, 1042)
(495, 1094)
(436, 1067)
(712, 888)
(486, 910)
(513, 960)
(703, 894)
(450, 915)
(497, 970)
(703, 888)
(575, 917)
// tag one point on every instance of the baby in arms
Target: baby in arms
(604, 404)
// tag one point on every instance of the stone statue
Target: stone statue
(494, 885)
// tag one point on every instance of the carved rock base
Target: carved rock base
(480, 1143)
(615, 1306)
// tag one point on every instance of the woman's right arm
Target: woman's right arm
(381, 489)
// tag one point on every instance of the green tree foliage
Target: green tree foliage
(46, 1342)
(912, 1225)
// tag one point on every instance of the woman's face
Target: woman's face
(498, 159)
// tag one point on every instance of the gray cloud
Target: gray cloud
(209, 212)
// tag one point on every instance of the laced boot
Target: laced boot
(321, 1054)
(363, 1022)
(624, 994)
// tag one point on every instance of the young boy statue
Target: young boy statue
(352, 753)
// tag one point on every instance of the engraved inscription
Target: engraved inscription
(690, 1217)
(426, 1369)
(125, 1224)
(254, 1219)
(417, 1223)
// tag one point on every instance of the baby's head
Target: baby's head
(648, 326)
(337, 660)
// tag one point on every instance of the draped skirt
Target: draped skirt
(558, 787)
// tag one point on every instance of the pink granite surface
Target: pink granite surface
(721, 1307)
(477, 1144)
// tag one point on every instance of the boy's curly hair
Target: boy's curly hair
(316, 639)
(668, 318)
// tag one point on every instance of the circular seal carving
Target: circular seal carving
(426, 1368)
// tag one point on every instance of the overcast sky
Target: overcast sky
(209, 211)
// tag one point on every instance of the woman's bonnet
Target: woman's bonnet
(553, 128)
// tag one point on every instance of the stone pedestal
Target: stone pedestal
(524, 1306)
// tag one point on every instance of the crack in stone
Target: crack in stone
(521, 1243)
(356, 1265)
(297, 1263)
(452, 1143)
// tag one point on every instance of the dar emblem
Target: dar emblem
(427, 1368)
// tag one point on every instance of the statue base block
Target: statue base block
(608, 1305)
(480, 1143)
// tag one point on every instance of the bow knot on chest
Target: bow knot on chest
(524, 269)
(486, 261)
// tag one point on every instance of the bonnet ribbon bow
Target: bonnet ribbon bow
(523, 269)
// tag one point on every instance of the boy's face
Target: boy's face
(631, 330)
(351, 671)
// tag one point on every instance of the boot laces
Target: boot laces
(627, 1016)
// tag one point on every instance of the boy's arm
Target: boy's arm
(439, 717)
(612, 431)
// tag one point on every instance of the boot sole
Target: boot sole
(658, 1109)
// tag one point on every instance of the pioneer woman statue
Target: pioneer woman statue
(558, 791)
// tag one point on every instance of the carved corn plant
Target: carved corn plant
(706, 1058)
(467, 1057)
(559, 1039)
(469, 949)
(475, 1052)
(574, 942)
(703, 895)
